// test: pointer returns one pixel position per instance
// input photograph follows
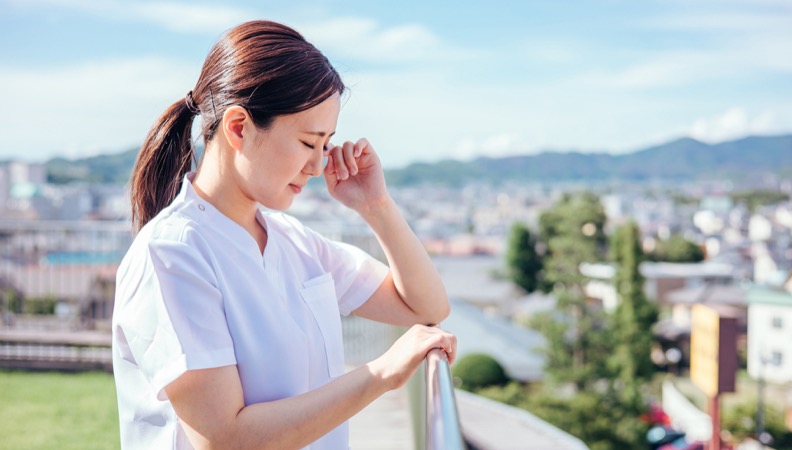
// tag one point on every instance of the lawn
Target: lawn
(49, 410)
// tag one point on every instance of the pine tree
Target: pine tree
(634, 316)
(522, 260)
(573, 232)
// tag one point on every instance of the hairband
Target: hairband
(190, 102)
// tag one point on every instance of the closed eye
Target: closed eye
(325, 148)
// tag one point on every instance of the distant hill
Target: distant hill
(105, 168)
(680, 159)
(109, 168)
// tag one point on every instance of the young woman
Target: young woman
(226, 330)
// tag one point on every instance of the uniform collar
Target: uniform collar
(206, 212)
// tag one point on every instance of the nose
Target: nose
(313, 166)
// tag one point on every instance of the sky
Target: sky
(429, 80)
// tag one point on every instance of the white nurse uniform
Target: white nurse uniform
(195, 292)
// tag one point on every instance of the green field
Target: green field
(49, 410)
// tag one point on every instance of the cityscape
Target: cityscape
(61, 245)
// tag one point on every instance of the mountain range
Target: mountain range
(681, 159)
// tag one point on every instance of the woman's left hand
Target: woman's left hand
(354, 175)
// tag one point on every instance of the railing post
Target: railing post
(442, 419)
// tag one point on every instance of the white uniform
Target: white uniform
(195, 292)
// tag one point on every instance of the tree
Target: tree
(477, 370)
(605, 358)
(633, 318)
(677, 249)
(522, 260)
(758, 198)
(572, 231)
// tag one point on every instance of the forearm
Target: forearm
(295, 422)
(210, 402)
(414, 276)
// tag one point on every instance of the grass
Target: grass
(65, 411)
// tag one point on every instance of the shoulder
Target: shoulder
(173, 231)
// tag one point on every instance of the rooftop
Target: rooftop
(769, 296)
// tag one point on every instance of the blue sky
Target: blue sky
(429, 79)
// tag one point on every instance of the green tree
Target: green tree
(758, 198)
(633, 318)
(572, 231)
(523, 262)
(605, 358)
(677, 249)
(477, 370)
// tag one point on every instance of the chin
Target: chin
(278, 205)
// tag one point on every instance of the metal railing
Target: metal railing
(443, 431)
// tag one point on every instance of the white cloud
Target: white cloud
(722, 46)
(186, 17)
(755, 55)
(733, 123)
(502, 144)
(82, 109)
(173, 16)
(345, 37)
(360, 38)
(729, 22)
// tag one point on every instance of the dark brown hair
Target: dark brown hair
(265, 67)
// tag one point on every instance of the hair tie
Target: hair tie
(190, 102)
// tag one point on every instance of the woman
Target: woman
(226, 330)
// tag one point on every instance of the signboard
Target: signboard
(713, 350)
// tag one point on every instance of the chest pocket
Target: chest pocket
(320, 296)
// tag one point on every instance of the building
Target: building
(661, 279)
(770, 334)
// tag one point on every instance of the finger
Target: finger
(342, 172)
(350, 158)
(451, 350)
(361, 145)
(444, 341)
(447, 342)
(330, 169)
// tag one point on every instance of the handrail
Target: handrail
(443, 431)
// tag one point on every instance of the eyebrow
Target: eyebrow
(318, 133)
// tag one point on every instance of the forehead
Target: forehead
(320, 118)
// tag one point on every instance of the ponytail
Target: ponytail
(166, 156)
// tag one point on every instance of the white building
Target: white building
(660, 279)
(770, 334)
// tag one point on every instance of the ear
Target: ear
(235, 125)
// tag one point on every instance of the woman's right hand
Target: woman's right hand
(398, 364)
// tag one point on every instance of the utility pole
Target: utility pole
(760, 399)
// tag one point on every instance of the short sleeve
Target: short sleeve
(356, 273)
(172, 318)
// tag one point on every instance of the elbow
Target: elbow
(442, 311)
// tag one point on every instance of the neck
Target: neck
(216, 182)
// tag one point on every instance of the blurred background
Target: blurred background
(583, 176)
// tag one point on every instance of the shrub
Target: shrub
(40, 305)
(476, 371)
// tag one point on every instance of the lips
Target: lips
(297, 189)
